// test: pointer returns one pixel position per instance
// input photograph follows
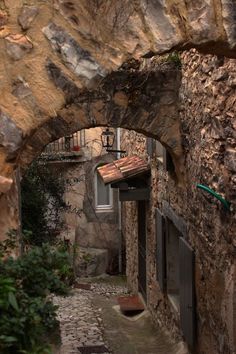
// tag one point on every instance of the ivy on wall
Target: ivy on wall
(42, 189)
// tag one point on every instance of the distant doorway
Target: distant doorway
(142, 276)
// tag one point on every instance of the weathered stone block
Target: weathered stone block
(10, 134)
(72, 54)
(91, 262)
(62, 81)
(5, 184)
(27, 16)
(230, 159)
(21, 88)
(3, 18)
(18, 46)
(229, 16)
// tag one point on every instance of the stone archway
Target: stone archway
(59, 68)
(85, 41)
(142, 100)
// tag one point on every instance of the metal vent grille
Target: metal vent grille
(101, 349)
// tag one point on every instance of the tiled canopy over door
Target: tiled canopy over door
(187, 292)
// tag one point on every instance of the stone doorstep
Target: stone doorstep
(131, 303)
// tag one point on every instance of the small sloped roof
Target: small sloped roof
(122, 169)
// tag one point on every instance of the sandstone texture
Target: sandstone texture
(18, 46)
(27, 16)
(10, 134)
(5, 184)
(86, 41)
(72, 67)
(207, 125)
(93, 232)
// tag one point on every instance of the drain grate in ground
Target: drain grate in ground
(96, 349)
(83, 286)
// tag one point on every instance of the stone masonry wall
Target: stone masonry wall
(208, 127)
(53, 53)
(46, 45)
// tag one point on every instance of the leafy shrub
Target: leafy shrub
(9, 244)
(26, 315)
(40, 271)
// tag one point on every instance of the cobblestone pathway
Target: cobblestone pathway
(90, 325)
(81, 323)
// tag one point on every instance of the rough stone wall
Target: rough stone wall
(52, 50)
(9, 206)
(130, 233)
(137, 95)
(208, 96)
(84, 225)
(59, 61)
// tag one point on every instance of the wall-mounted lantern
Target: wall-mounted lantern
(108, 139)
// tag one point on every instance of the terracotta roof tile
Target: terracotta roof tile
(122, 169)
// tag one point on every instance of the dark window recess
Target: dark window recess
(187, 292)
(150, 146)
(168, 162)
(160, 249)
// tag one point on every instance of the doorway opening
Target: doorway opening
(142, 272)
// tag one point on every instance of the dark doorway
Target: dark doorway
(142, 277)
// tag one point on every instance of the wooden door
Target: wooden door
(142, 276)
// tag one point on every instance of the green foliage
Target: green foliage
(26, 314)
(9, 244)
(42, 191)
(40, 271)
(175, 58)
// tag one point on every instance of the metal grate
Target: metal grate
(96, 349)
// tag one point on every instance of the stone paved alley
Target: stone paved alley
(90, 324)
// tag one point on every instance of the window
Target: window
(164, 156)
(176, 269)
(160, 150)
(103, 194)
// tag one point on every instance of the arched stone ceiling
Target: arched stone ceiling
(85, 41)
(131, 98)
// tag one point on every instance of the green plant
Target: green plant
(175, 58)
(9, 244)
(40, 271)
(26, 315)
(87, 257)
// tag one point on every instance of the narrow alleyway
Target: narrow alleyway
(90, 324)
